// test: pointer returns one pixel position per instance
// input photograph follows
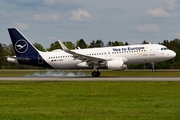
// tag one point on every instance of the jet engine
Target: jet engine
(116, 65)
(82, 65)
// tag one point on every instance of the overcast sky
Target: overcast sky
(132, 21)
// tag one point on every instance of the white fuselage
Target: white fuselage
(132, 54)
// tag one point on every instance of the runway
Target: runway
(88, 78)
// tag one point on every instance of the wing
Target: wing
(84, 58)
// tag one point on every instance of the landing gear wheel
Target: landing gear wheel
(96, 73)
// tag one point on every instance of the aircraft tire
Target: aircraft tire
(96, 74)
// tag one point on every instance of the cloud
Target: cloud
(148, 28)
(22, 26)
(171, 4)
(50, 2)
(158, 12)
(53, 17)
(5, 13)
(50, 38)
(80, 15)
(177, 33)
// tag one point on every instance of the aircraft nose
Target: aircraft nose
(172, 54)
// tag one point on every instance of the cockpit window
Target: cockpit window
(164, 48)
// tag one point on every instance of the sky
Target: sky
(132, 21)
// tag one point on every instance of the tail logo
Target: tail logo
(21, 46)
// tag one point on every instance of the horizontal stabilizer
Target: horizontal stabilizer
(18, 58)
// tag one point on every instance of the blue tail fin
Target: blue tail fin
(22, 46)
(26, 53)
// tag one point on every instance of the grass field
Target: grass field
(89, 100)
(35, 100)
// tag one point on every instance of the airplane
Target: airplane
(112, 58)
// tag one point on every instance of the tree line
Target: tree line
(8, 50)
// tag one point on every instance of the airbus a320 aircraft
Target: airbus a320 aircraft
(113, 58)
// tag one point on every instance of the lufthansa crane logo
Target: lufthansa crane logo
(21, 46)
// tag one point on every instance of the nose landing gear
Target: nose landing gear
(153, 69)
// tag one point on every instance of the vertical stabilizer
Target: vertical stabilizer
(22, 46)
(26, 53)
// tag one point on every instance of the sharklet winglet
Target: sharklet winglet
(63, 46)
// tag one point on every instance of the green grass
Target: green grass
(89, 100)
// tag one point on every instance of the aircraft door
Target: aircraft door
(152, 50)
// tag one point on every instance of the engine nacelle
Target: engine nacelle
(116, 65)
(82, 65)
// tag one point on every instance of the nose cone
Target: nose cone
(172, 54)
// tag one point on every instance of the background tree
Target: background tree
(145, 42)
(175, 46)
(166, 43)
(69, 45)
(1, 55)
(92, 44)
(116, 43)
(126, 43)
(81, 43)
(39, 46)
(54, 46)
(109, 44)
(98, 43)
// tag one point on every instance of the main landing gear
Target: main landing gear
(96, 72)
